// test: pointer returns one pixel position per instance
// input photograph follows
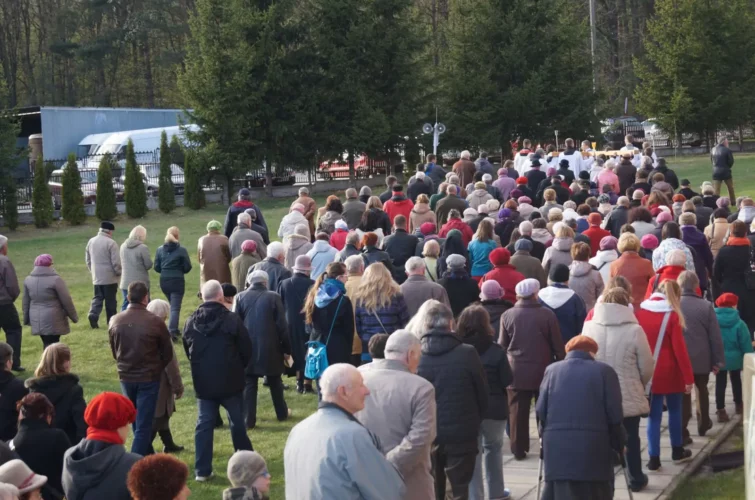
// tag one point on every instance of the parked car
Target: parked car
(615, 129)
(88, 187)
(363, 168)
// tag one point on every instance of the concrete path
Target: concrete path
(521, 476)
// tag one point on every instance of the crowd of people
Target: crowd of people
(602, 290)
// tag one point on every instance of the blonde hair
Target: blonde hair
(374, 202)
(431, 249)
(138, 233)
(53, 360)
(564, 231)
(617, 296)
(173, 235)
(423, 199)
(484, 231)
(673, 293)
(628, 242)
(159, 308)
(377, 288)
(549, 194)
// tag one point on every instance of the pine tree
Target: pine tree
(106, 208)
(73, 199)
(193, 192)
(166, 193)
(135, 192)
(9, 193)
(41, 206)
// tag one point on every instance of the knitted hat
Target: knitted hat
(427, 228)
(524, 199)
(502, 172)
(664, 217)
(727, 300)
(303, 263)
(486, 178)
(503, 213)
(604, 198)
(244, 467)
(723, 202)
(44, 260)
(550, 172)
(521, 180)
(249, 246)
(214, 225)
(559, 274)
(106, 413)
(483, 209)
(456, 261)
(649, 242)
(608, 243)
(491, 290)
(500, 256)
(527, 288)
(17, 473)
(594, 219)
(523, 245)
(106, 225)
(341, 224)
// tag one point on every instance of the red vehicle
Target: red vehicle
(363, 167)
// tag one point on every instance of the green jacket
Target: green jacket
(736, 338)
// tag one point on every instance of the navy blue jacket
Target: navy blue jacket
(568, 307)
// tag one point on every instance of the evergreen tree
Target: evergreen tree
(9, 192)
(41, 205)
(135, 192)
(166, 193)
(105, 208)
(193, 192)
(73, 199)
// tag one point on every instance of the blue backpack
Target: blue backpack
(316, 360)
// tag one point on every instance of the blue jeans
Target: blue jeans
(674, 404)
(125, 299)
(144, 397)
(204, 433)
(174, 289)
(490, 441)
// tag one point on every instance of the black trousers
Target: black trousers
(736, 387)
(11, 325)
(633, 453)
(49, 339)
(108, 295)
(453, 471)
(275, 384)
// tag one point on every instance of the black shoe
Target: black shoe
(680, 455)
(300, 387)
(218, 422)
(654, 463)
(636, 487)
(687, 441)
(172, 448)
(308, 390)
(176, 338)
(93, 322)
(18, 368)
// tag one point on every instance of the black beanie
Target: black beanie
(559, 273)
(107, 226)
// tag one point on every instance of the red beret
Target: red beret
(582, 343)
(109, 411)
(727, 300)
(500, 257)
(521, 180)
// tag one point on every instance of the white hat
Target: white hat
(17, 473)
(456, 261)
(341, 224)
(527, 288)
(258, 277)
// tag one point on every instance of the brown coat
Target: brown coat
(214, 255)
(531, 337)
(140, 343)
(171, 388)
(529, 266)
(311, 208)
(465, 169)
(637, 270)
(240, 268)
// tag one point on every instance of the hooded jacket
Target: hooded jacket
(568, 307)
(398, 205)
(338, 239)
(333, 321)
(622, 344)
(42, 447)
(497, 374)
(466, 231)
(47, 304)
(505, 274)
(289, 223)
(67, 396)
(293, 246)
(461, 391)
(135, 262)
(478, 197)
(542, 236)
(420, 214)
(586, 281)
(602, 262)
(736, 337)
(327, 223)
(558, 253)
(231, 217)
(321, 254)
(172, 261)
(219, 350)
(93, 470)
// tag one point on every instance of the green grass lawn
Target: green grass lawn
(93, 361)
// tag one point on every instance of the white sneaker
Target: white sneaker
(204, 479)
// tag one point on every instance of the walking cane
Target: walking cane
(540, 472)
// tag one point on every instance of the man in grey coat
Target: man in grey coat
(9, 292)
(103, 260)
(331, 455)
(418, 289)
(273, 266)
(242, 232)
(353, 209)
(705, 348)
(401, 412)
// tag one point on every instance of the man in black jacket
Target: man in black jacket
(12, 390)
(723, 161)
(218, 348)
(461, 396)
(265, 319)
(618, 217)
(388, 193)
(400, 246)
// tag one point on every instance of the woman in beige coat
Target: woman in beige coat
(295, 245)
(47, 303)
(716, 232)
(214, 255)
(624, 346)
(421, 213)
(171, 388)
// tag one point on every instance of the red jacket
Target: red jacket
(664, 274)
(466, 232)
(398, 205)
(507, 276)
(595, 233)
(673, 371)
(338, 239)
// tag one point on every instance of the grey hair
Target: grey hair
(525, 227)
(623, 201)
(275, 250)
(451, 189)
(454, 214)
(708, 190)
(138, 233)
(303, 190)
(3, 241)
(354, 265)
(676, 258)
(351, 193)
(400, 343)
(335, 376)
(465, 155)
(454, 179)
(352, 238)
(244, 218)
(687, 219)
(414, 264)
(688, 281)
(212, 290)
(159, 308)
(437, 315)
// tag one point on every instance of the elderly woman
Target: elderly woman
(623, 346)
(461, 289)
(584, 279)
(214, 255)
(579, 408)
(158, 477)
(135, 261)
(172, 262)
(430, 255)
(47, 303)
(671, 239)
(28, 484)
(296, 244)
(328, 215)
(560, 251)
(452, 246)
(171, 388)
(421, 213)
(606, 255)
(637, 270)
(241, 264)
(247, 472)
(730, 269)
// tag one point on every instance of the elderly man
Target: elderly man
(419, 184)
(350, 248)
(465, 168)
(353, 209)
(401, 412)
(265, 319)
(9, 292)
(142, 348)
(294, 218)
(619, 216)
(242, 232)
(532, 339)
(400, 246)
(492, 190)
(538, 249)
(418, 288)
(273, 266)
(243, 204)
(310, 207)
(461, 396)
(451, 202)
(214, 255)
(318, 447)
(219, 350)
(256, 227)
(525, 263)
(293, 292)
(103, 260)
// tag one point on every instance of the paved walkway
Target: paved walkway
(521, 476)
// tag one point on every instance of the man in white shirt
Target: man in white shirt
(573, 156)
(629, 146)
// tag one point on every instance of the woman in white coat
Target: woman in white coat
(624, 346)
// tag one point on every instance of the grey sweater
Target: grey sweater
(702, 335)
(103, 259)
(135, 262)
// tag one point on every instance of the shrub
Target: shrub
(193, 192)
(10, 202)
(105, 208)
(166, 194)
(134, 192)
(73, 199)
(41, 203)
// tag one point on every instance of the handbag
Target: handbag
(374, 313)
(656, 353)
(316, 360)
